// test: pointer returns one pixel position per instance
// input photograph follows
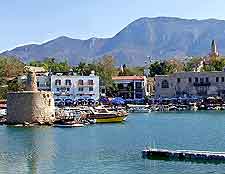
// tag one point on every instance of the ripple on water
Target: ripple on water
(114, 148)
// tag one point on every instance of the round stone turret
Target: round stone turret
(31, 83)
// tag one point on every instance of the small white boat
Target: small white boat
(139, 108)
(3, 112)
(193, 106)
(69, 125)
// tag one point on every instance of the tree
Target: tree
(173, 66)
(215, 64)
(192, 64)
(50, 64)
(157, 68)
(10, 68)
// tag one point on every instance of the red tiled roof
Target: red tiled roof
(128, 78)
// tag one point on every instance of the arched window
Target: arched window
(165, 84)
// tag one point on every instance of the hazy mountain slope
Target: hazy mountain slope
(160, 37)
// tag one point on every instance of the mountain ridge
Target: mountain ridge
(159, 37)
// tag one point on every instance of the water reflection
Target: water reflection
(24, 149)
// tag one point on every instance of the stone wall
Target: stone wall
(30, 106)
(207, 84)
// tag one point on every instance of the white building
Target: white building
(43, 82)
(68, 85)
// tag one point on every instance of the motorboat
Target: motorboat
(103, 115)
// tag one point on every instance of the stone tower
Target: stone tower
(31, 105)
(31, 83)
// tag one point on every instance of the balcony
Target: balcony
(139, 90)
(85, 85)
(63, 93)
(197, 84)
(125, 90)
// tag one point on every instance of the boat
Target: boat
(103, 115)
(65, 124)
(139, 108)
(3, 112)
(193, 106)
(69, 125)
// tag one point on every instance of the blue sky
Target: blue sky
(37, 21)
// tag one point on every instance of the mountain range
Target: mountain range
(160, 38)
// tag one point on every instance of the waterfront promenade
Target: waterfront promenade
(114, 148)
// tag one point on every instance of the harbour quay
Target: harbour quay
(184, 155)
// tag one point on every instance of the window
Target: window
(178, 80)
(57, 89)
(217, 79)
(190, 79)
(57, 82)
(80, 82)
(103, 91)
(138, 85)
(68, 82)
(80, 89)
(201, 80)
(91, 89)
(120, 86)
(68, 89)
(165, 84)
(90, 82)
(206, 79)
(196, 79)
(222, 79)
(38, 84)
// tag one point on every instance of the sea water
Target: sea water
(114, 148)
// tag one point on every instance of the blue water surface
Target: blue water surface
(114, 148)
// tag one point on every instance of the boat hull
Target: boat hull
(110, 119)
(68, 125)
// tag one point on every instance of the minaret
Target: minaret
(214, 52)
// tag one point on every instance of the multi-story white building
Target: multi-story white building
(43, 82)
(68, 85)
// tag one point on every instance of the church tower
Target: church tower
(214, 52)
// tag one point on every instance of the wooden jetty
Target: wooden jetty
(185, 155)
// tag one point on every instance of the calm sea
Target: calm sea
(114, 148)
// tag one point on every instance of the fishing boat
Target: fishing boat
(103, 115)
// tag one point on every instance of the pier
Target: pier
(184, 155)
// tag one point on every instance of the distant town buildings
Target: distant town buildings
(69, 85)
(132, 87)
(190, 83)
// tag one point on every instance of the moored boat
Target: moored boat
(69, 125)
(139, 108)
(102, 115)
